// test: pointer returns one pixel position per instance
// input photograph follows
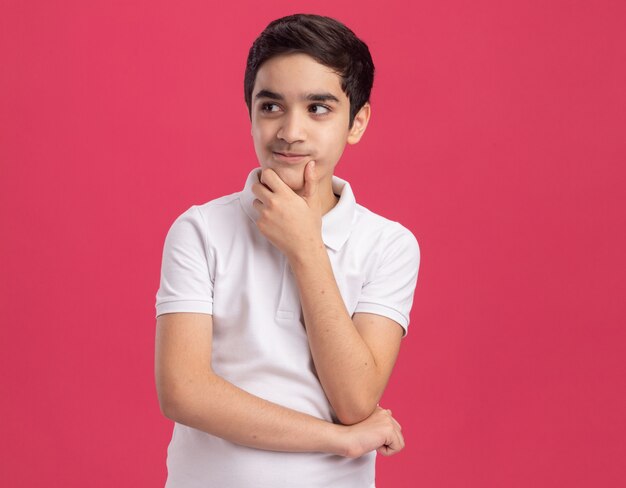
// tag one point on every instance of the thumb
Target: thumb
(310, 182)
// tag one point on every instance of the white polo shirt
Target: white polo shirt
(216, 261)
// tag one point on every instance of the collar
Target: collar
(336, 224)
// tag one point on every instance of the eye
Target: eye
(319, 109)
(269, 107)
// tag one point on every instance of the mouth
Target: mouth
(288, 157)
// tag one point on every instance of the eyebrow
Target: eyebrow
(322, 97)
(312, 97)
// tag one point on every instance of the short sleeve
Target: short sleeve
(389, 292)
(186, 278)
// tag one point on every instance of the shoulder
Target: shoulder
(219, 207)
(383, 232)
(200, 221)
(219, 210)
(219, 224)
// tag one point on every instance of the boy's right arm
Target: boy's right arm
(190, 393)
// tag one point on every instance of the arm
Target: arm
(353, 357)
(191, 394)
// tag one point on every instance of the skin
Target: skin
(291, 122)
(190, 393)
(353, 356)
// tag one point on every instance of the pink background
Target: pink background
(498, 138)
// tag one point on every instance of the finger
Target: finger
(383, 451)
(387, 450)
(310, 181)
(394, 445)
(399, 435)
(261, 192)
(398, 444)
(397, 424)
(258, 204)
(272, 181)
(400, 440)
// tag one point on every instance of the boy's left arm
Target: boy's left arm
(354, 356)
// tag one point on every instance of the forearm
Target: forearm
(345, 365)
(218, 407)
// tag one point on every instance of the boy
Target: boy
(281, 307)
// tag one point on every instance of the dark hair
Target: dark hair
(327, 41)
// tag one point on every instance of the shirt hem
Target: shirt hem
(385, 311)
(193, 306)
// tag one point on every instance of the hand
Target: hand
(291, 222)
(380, 432)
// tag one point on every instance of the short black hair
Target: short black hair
(326, 40)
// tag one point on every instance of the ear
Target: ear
(359, 124)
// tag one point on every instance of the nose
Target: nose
(292, 128)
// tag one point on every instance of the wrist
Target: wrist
(308, 253)
(337, 440)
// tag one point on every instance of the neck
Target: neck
(329, 203)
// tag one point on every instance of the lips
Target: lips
(289, 157)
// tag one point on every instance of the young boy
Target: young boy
(281, 307)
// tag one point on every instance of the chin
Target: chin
(292, 176)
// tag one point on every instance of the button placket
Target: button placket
(289, 302)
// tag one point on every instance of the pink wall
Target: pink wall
(498, 138)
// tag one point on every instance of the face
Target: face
(301, 114)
